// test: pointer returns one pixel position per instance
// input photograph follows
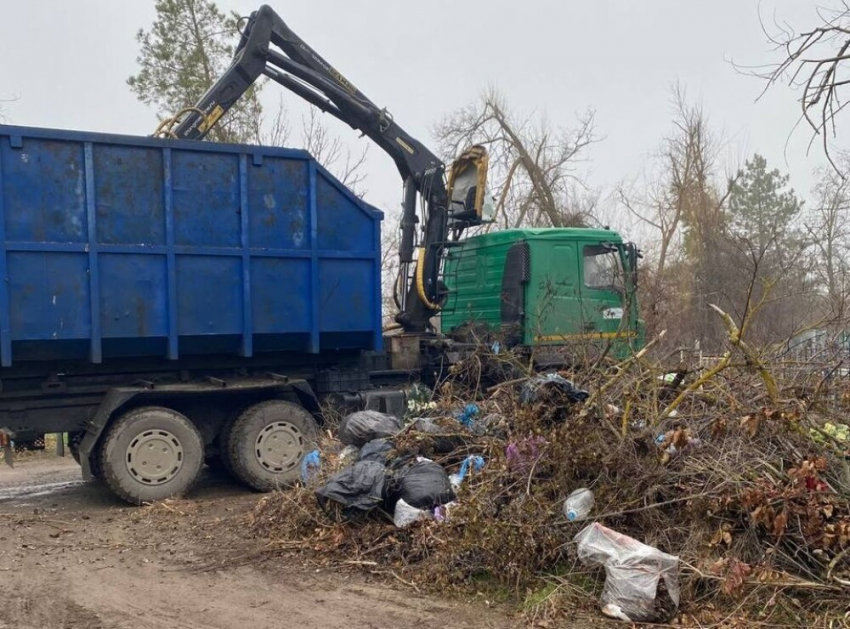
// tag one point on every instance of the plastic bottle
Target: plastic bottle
(578, 504)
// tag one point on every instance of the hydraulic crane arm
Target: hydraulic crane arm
(299, 68)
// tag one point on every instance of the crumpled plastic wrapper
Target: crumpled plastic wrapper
(641, 584)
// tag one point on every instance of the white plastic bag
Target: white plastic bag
(405, 514)
(633, 572)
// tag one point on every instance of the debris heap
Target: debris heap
(744, 482)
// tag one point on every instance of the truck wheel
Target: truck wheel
(267, 441)
(220, 461)
(151, 453)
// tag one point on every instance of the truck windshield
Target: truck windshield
(603, 268)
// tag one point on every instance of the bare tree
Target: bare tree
(533, 166)
(814, 61)
(275, 131)
(331, 152)
(681, 189)
(682, 201)
(828, 226)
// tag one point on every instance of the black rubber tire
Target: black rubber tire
(221, 460)
(294, 422)
(138, 424)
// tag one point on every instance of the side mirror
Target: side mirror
(632, 256)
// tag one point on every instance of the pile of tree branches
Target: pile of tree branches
(734, 468)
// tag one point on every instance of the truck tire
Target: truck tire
(266, 442)
(151, 453)
(220, 460)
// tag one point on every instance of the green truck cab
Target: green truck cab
(573, 287)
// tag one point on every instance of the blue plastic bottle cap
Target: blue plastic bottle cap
(572, 515)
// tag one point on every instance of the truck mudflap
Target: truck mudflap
(114, 399)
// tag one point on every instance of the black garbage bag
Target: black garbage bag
(376, 450)
(423, 484)
(362, 427)
(533, 389)
(359, 487)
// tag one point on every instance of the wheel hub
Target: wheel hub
(279, 447)
(154, 457)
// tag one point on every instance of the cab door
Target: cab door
(553, 301)
(603, 290)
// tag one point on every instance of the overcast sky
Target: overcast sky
(66, 62)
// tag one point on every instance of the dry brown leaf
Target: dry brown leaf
(737, 575)
(750, 424)
(780, 522)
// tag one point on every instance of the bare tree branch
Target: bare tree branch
(813, 62)
(331, 152)
(533, 166)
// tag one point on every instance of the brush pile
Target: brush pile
(742, 475)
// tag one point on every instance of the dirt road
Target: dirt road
(74, 557)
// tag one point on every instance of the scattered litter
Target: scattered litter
(468, 415)
(772, 475)
(441, 512)
(357, 429)
(521, 455)
(492, 425)
(578, 505)
(676, 442)
(428, 425)
(348, 455)
(614, 611)
(641, 582)
(534, 388)
(311, 464)
(405, 514)
(474, 461)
